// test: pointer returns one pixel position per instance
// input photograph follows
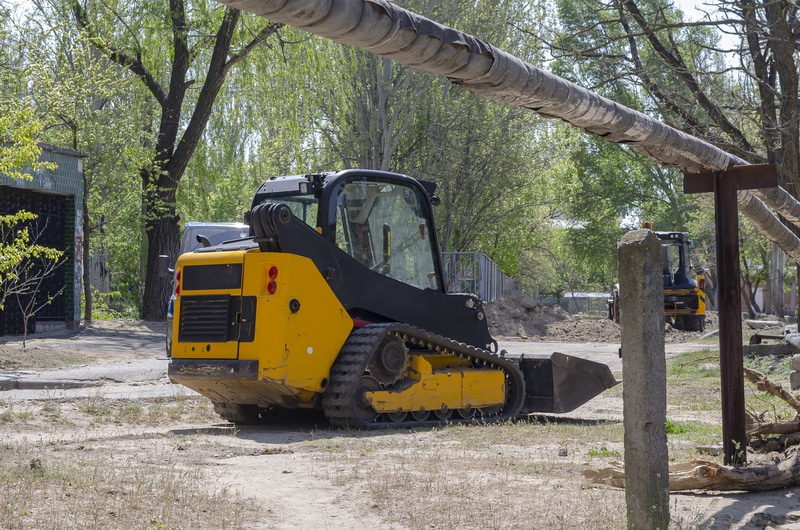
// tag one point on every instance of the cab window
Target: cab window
(303, 207)
(384, 226)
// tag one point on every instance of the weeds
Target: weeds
(70, 492)
(603, 452)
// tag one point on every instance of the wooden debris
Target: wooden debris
(705, 475)
(765, 384)
(763, 324)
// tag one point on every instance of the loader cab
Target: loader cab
(385, 223)
(383, 220)
(675, 256)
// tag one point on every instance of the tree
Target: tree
(729, 77)
(89, 106)
(204, 43)
(389, 116)
(20, 126)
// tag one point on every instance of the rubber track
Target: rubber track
(339, 402)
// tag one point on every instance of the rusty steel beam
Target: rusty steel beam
(726, 185)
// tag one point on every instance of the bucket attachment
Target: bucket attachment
(562, 383)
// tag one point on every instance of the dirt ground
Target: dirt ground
(521, 317)
(298, 473)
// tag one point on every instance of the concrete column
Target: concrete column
(644, 380)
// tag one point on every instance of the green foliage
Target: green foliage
(603, 452)
(23, 262)
(20, 123)
(110, 306)
(543, 200)
(19, 148)
(674, 427)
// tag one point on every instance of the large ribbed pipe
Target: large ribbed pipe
(408, 38)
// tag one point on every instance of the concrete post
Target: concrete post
(644, 380)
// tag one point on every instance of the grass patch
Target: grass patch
(79, 476)
(603, 452)
(442, 478)
(775, 366)
(98, 408)
(693, 382)
(38, 492)
(674, 427)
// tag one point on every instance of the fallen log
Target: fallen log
(793, 340)
(773, 427)
(705, 475)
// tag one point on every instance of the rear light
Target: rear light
(272, 286)
(178, 283)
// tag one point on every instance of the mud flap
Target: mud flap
(562, 383)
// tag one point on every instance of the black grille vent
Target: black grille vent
(205, 318)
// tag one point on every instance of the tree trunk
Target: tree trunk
(163, 237)
(776, 280)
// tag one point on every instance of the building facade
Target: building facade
(56, 197)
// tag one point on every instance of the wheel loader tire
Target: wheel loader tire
(694, 322)
(689, 322)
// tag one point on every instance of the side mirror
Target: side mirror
(203, 240)
(163, 267)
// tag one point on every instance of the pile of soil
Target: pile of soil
(522, 317)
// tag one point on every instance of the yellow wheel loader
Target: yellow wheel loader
(337, 302)
(684, 295)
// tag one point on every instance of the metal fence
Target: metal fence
(473, 272)
(579, 302)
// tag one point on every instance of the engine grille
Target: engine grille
(205, 318)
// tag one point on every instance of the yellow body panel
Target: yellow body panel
(443, 383)
(701, 295)
(672, 309)
(295, 349)
(299, 329)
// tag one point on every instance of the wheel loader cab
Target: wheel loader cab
(387, 228)
(382, 220)
(676, 263)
